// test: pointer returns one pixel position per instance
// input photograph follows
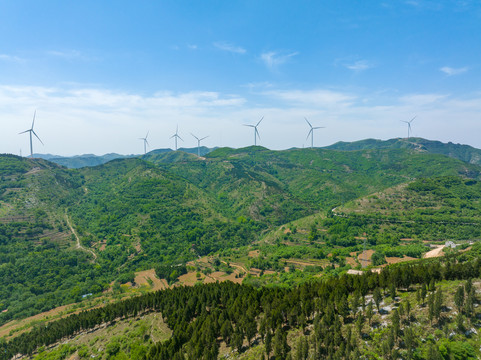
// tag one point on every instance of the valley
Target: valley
(273, 223)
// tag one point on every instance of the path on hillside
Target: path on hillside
(435, 252)
(79, 246)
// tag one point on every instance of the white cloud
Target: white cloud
(313, 98)
(11, 58)
(359, 66)
(272, 59)
(422, 99)
(453, 71)
(80, 120)
(192, 46)
(229, 47)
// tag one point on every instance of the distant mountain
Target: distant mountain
(457, 151)
(86, 160)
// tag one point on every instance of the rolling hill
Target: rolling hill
(457, 151)
(171, 207)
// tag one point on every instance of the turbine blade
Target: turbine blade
(308, 122)
(33, 121)
(205, 137)
(248, 125)
(147, 142)
(309, 133)
(194, 136)
(319, 127)
(257, 132)
(180, 138)
(23, 132)
(37, 137)
(147, 134)
(260, 121)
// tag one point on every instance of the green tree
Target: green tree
(395, 323)
(459, 298)
(410, 341)
(369, 312)
(469, 307)
(460, 323)
(433, 353)
(438, 304)
(268, 343)
(377, 296)
(424, 292)
(280, 344)
(359, 323)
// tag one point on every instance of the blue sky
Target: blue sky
(102, 73)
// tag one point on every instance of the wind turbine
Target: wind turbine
(145, 142)
(409, 124)
(256, 133)
(311, 132)
(32, 131)
(176, 135)
(198, 143)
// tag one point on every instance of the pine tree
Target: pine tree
(359, 323)
(431, 308)
(469, 307)
(395, 323)
(410, 341)
(268, 343)
(438, 304)
(369, 312)
(377, 296)
(408, 310)
(280, 344)
(460, 323)
(424, 292)
(459, 298)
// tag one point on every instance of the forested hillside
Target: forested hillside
(274, 219)
(457, 151)
(406, 311)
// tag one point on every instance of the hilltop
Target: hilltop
(89, 160)
(461, 152)
(457, 151)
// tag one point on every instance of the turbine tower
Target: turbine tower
(409, 124)
(256, 133)
(32, 131)
(311, 132)
(176, 135)
(145, 142)
(198, 142)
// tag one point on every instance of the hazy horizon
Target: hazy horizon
(101, 75)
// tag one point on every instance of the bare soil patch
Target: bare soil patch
(189, 279)
(143, 277)
(395, 260)
(435, 252)
(351, 261)
(365, 257)
(254, 253)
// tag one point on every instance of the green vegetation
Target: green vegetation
(331, 318)
(288, 224)
(457, 151)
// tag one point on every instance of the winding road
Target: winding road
(79, 246)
